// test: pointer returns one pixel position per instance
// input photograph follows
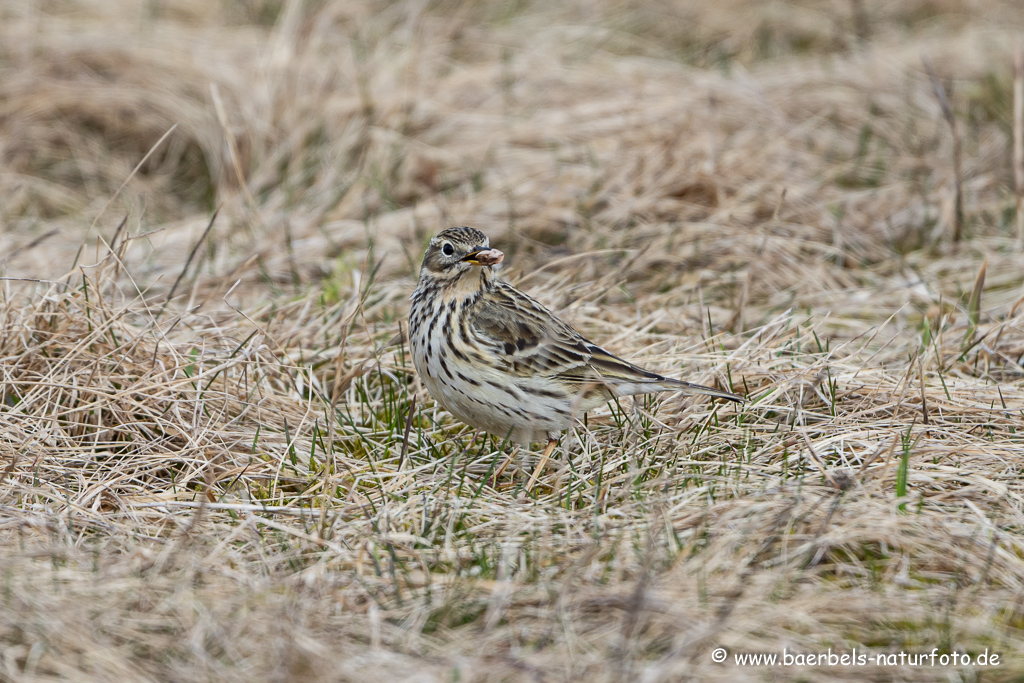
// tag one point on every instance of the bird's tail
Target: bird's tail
(691, 388)
(666, 384)
(625, 379)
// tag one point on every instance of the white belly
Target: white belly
(486, 398)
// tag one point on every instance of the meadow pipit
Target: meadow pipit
(500, 361)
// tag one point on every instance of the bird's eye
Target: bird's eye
(447, 249)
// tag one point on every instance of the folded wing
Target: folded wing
(531, 342)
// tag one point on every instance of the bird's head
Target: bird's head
(456, 251)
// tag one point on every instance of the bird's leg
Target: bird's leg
(501, 469)
(543, 461)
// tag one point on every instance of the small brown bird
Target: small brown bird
(500, 361)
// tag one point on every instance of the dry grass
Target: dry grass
(208, 468)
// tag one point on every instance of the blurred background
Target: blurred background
(321, 128)
(217, 464)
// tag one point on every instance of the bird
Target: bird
(500, 361)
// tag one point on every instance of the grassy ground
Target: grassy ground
(217, 463)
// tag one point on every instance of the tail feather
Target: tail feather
(667, 384)
(625, 379)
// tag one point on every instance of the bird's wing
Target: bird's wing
(527, 339)
(530, 341)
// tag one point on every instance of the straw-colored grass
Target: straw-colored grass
(216, 460)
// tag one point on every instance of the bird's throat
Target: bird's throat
(470, 284)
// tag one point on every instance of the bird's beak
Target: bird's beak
(484, 257)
